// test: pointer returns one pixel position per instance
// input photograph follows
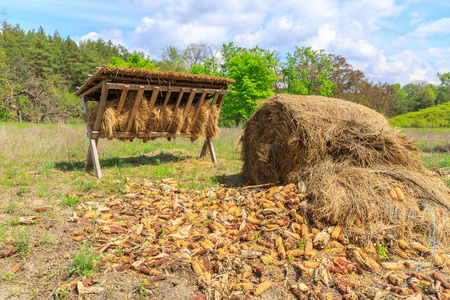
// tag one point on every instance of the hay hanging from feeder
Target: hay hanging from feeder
(350, 159)
(205, 125)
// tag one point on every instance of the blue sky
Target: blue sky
(392, 41)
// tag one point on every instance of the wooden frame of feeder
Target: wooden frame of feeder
(95, 133)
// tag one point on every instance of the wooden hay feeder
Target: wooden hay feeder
(132, 103)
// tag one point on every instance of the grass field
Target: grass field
(47, 161)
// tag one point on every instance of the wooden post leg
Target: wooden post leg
(88, 164)
(211, 150)
(204, 149)
(94, 157)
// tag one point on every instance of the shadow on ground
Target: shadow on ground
(107, 163)
(233, 180)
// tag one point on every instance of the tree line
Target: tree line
(40, 72)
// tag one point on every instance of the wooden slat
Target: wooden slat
(220, 101)
(213, 101)
(180, 95)
(199, 105)
(135, 108)
(122, 100)
(162, 113)
(188, 106)
(139, 135)
(92, 89)
(101, 106)
(153, 99)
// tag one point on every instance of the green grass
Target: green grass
(437, 160)
(22, 237)
(71, 201)
(47, 161)
(83, 263)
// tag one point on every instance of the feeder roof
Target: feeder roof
(140, 76)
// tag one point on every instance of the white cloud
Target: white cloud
(154, 33)
(441, 26)
(354, 29)
(408, 66)
(115, 35)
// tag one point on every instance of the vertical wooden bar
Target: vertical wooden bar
(213, 101)
(122, 100)
(180, 95)
(162, 113)
(188, 106)
(153, 99)
(220, 100)
(199, 105)
(137, 101)
(101, 106)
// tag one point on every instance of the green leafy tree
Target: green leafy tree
(208, 67)
(443, 90)
(134, 60)
(400, 96)
(255, 73)
(307, 71)
(424, 98)
(4, 111)
(173, 59)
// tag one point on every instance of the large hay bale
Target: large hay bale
(349, 157)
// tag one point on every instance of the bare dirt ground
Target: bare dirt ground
(155, 241)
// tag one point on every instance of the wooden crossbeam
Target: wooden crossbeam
(135, 87)
(139, 135)
(158, 82)
(92, 89)
(135, 108)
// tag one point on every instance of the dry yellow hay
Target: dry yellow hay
(350, 158)
(212, 127)
(205, 125)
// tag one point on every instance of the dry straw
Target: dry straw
(156, 120)
(350, 158)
